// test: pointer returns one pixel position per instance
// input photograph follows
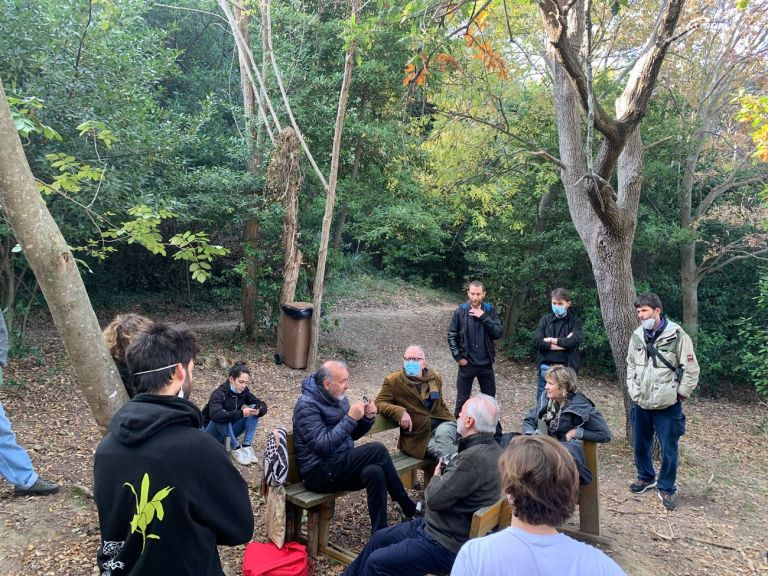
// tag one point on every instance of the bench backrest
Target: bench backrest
(499, 515)
(381, 424)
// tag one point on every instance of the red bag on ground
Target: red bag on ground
(266, 559)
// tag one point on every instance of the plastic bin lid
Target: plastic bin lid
(298, 310)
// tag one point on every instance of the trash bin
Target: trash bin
(294, 334)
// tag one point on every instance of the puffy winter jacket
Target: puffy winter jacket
(322, 427)
(457, 330)
(650, 383)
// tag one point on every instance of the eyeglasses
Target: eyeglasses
(407, 359)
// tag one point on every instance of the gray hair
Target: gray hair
(484, 410)
(323, 374)
(419, 348)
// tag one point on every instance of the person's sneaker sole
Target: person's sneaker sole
(642, 490)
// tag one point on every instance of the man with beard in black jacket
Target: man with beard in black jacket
(166, 492)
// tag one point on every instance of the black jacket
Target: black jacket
(225, 406)
(457, 330)
(579, 413)
(550, 326)
(166, 492)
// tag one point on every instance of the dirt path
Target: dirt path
(720, 527)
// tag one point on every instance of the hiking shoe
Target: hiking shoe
(415, 512)
(252, 458)
(241, 456)
(640, 486)
(669, 499)
(39, 488)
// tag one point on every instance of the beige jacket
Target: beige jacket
(654, 387)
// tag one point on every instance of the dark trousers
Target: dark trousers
(669, 425)
(402, 550)
(367, 466)
(464, 380)
(466, 377)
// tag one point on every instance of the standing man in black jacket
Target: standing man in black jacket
(471, 334)
(166, 492)
(557, 339)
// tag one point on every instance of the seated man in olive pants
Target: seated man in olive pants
(413, 397)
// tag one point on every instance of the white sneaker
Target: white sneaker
(241, 456)
(252, 458)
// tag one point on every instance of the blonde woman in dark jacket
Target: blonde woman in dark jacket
(567, 415)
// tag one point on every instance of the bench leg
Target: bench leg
(313, 532)
(589, 502)
(428, 473)
(292, 522)
(324, 524)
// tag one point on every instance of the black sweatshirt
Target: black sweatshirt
(156, 458)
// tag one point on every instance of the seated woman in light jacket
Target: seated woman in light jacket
(568, 416)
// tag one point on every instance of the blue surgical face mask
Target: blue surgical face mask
(233, 389)
(558, 310)
(412, 368)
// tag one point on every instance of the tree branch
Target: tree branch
(730, 184)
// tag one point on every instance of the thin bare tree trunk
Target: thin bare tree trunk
(330, 198)
(55, 268)
(250, 292)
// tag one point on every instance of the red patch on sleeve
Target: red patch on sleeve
(690, 358)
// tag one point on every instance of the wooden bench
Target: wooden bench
(320, 507)
(499, 514)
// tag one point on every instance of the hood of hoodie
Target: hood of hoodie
(309, 384)
(147, 414)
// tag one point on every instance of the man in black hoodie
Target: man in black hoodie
(166, 492)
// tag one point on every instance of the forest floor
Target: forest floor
(721, 526)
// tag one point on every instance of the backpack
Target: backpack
(276, 458)
(266, 559)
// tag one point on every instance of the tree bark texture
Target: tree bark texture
(56, 271)
(284, 181)
(250, 293)
(604, 219)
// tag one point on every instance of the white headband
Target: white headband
(155, 370)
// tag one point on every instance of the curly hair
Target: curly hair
(541, 480)
(121, 331)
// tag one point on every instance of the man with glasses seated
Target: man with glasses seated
(413, 397)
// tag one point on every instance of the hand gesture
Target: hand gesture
(476, 312)
(357, 410)
(571, 434)
(248, 411)
(370, 409)
(405, 422)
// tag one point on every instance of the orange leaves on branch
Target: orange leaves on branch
(444, 61)
(414, 75)
(484, 52)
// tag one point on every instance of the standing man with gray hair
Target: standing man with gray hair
(325, 427)
(460, 486)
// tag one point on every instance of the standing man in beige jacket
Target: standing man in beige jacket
(662, 372)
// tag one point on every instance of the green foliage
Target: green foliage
(754, 339)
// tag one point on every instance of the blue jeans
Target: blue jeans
(669, 425)
(15, 465)
(402, 550)
(222, 430)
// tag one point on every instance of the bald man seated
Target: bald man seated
(413, 397)
(325, 427)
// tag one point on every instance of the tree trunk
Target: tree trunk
(250, 292)
(322, 254)
(56, 271)
(341, 220)
(689, 283)
(284, 181)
